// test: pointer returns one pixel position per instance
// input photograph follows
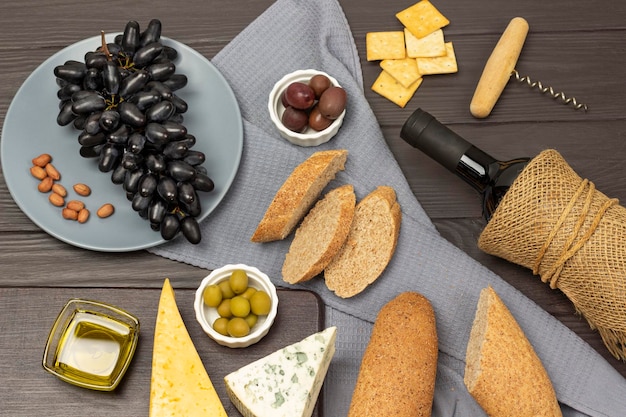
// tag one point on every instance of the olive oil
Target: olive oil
(93, 349)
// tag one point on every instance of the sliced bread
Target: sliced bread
(320, 235)
(370, 244)
(298, 193)
(502, 371)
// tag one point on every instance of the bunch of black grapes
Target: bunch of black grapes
(122, 98)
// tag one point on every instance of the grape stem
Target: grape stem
(105, 48)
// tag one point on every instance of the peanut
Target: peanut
(82, 189)
(59, 189)
(75, 205)
(38, 172)
(105, 210)
(69, 214)
(56, 200)
(52, 172)
(83, 215)
(42, 160)
(45, 185)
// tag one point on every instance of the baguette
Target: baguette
(369, 246)
(321, 234)
(298, 193)
(502, 370)
(399, 366)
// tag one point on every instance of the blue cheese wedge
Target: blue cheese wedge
(285, 383)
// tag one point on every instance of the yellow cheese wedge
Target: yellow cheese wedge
(180, 385)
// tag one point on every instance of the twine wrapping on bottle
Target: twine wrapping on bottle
(574, 237)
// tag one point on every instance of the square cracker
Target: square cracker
(422, 18)
(438, 65)
(403, 70)
(429, 46)
(392, 90)
(385, 45)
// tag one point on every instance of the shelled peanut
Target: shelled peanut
(48, 176)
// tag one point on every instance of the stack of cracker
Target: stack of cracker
(406, 56)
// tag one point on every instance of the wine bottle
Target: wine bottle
(487, 175)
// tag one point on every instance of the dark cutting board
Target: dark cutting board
(27, 390)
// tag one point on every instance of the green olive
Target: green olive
(238, 327)
(239, 306)
(248, 293)
(221, 326)
(212, 295)
(224, 309)
(251, 319)
(260, 303)
(227, 292)
(238, 281)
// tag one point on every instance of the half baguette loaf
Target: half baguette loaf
(298, 193)
(320, 235)
(399, 366)
(502, 370)
(370, 244)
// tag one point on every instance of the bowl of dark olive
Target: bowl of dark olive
(307, 107)
(236, 305)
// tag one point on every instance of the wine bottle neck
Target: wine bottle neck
(476, 167)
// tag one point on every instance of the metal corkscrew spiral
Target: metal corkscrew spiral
(501, 66)
(549, 90)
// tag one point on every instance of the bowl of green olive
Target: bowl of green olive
(236, 305)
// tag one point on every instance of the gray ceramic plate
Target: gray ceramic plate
(30, 129)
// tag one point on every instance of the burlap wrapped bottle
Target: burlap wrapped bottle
(571, 235)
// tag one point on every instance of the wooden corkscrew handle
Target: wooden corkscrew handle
(499, 68)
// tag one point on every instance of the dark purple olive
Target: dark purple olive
(319, 83)
(317, 121)
(295, 120)
(332, 102)
(299, 95)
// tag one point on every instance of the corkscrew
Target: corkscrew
(500, 68)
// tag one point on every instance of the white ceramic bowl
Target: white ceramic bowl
(275, 107)
(207, 315)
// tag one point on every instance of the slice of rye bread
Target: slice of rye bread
(369, 246)
(502, 371)
(320, 235)
(298, 193)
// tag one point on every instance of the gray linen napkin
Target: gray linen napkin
(299, 34)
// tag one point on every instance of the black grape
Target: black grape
(121, 101)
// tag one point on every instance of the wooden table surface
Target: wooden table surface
(575, 46)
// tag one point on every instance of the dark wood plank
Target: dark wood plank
(27, 314)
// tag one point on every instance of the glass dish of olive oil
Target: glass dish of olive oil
(91, 344)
